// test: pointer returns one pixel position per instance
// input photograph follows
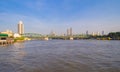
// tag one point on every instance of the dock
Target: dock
(6, 42)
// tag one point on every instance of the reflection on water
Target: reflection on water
(19, 45)
(61, 56)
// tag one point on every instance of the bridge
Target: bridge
(32, 35)
(46, 37)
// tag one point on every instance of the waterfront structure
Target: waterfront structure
(71, 38)
(20, 28)
(5, 39)
(46, 38)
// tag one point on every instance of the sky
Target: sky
(44, 16)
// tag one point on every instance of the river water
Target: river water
(61, 56)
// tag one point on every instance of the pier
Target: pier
(6, 41)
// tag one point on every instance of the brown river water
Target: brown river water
(61, 56)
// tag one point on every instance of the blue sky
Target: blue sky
(44, 16)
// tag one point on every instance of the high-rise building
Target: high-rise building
(102, 32)
(98, 33)
(87, 32)
(70, 31)
(20, 28)
(93, 34)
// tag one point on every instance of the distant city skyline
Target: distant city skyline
(42, 16)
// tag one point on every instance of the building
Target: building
(3, 36)
(52, 33)
(8, 32)
(87, 32)
(71, 32)
(98, 33)
(102, 32)
(16, 35)
(93, 34)
(20, 28)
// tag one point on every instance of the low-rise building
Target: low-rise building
(16, 35)
(8, 32)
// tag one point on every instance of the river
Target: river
(61, 56)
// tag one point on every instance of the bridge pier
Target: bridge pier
(5, 42)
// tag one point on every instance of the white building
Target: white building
(17, 35)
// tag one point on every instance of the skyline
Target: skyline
(44, 16)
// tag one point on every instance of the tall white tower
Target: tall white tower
(20, 28)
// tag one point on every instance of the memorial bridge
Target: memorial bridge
(42, 37)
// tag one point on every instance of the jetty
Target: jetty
(5, 40)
